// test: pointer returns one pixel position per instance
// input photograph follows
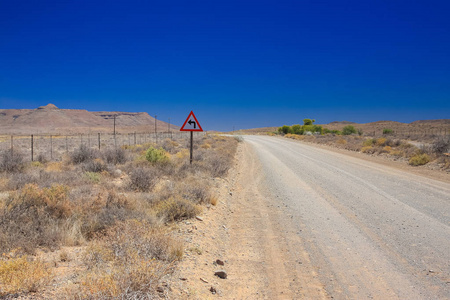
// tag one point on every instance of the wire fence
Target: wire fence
(412, 134)
(54, 147)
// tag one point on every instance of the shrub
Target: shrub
(367, 149)
(369, 142)
(128, 263)
(154, 155)
(94, 166)
(143, 179)
(349, 129)
(11, 161)
(341, 141)
(93, 177)
(297, 129)
(419, 159)
(217, 164)
(18, 275)
(82, 154)
(30, 218)
(387, 131)
(115, 156)
(441, 146)
(175, 209)
(285, 129)
(380, 142)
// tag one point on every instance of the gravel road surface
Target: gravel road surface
(363, 230)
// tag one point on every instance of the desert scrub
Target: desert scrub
(11, 161)
(341, 142)
(381, 141)
(175, 209)
(128, 262)
(92, 177)
(82, 154)
(154, 155)
(369, 142)
(115, 156)
(419, 159)
(143, 179)
(22, 275)
(31, 218)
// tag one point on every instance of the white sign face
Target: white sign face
(191, 124)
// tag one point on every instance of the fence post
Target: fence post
(51, 148)
(32, 148)
(135, 138)
(99, 141)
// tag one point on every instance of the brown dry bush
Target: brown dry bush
(22, 274)
(176, 209)
(31, 217)
(115, 156)
(83, 154)
(128, 262)
(143, 179)
(11, 161)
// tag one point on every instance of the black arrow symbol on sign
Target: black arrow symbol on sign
(190, 123)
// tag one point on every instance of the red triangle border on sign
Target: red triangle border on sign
(198, 124)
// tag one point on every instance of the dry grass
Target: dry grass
(114, 202)
(129, 260)
(387, 146)
(22, 274)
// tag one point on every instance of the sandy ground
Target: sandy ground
(296, 221)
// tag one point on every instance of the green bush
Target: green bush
(297, 129)
(154, 155)
(349, 129)
(387, 131)
(285, 129)
(419, 159)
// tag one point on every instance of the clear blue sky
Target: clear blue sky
(234, 63)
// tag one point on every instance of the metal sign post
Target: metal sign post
(191, 124)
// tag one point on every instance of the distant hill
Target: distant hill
(51, 119)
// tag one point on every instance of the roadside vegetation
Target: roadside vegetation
(117, 205)
(354, 139)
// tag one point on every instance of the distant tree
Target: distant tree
(308, 121)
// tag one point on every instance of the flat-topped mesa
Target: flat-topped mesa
(48, 106)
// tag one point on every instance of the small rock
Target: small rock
(221, 274)
(160, 289)
(213, 290)
(219, 262)
(204, 280)
(199, 218)
(231, 194)
(183, 279)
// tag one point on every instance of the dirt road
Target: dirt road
(307, 223)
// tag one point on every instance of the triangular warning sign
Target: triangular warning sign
(191, 124)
